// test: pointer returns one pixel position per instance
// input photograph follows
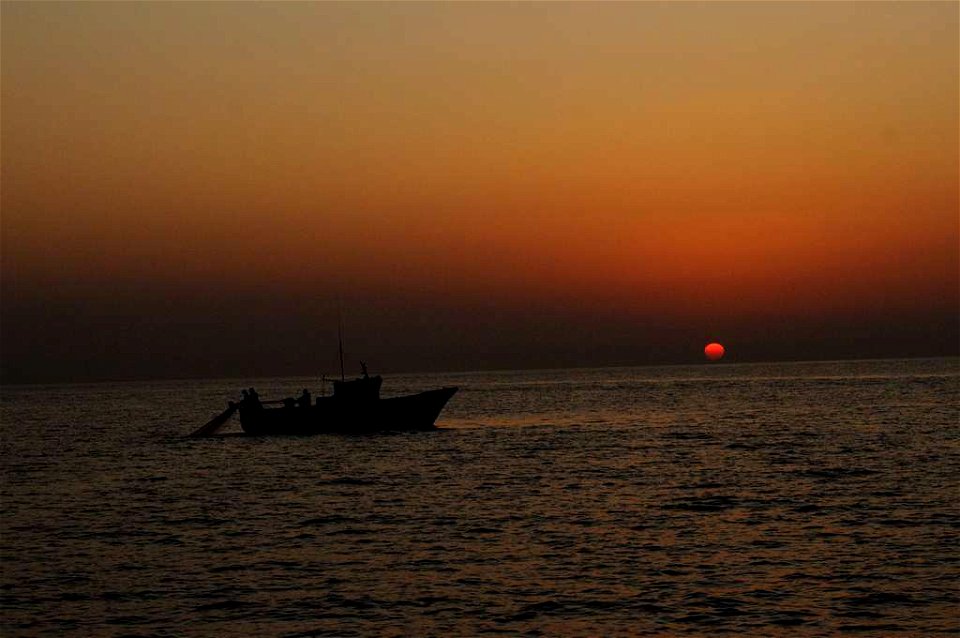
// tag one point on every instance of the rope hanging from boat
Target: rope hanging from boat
(215, 423)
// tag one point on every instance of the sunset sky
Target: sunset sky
(191, 189)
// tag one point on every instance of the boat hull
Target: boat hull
(348, 416)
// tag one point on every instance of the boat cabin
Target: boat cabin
(365, 389)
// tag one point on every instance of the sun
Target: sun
(714, 351)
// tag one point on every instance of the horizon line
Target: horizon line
(331, 377)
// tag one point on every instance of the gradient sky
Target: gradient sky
(189, 188)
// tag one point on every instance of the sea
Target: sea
(773, 499)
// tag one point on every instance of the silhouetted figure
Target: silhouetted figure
(363, 367)
(304, 399)
(254, 398)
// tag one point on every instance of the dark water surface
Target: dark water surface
(807, 499)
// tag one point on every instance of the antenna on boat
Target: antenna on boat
(340, 338)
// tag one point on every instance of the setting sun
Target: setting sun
(714, 351)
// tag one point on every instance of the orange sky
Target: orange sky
(687, 160)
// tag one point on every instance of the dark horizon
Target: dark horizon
(135, 350)
(332, 376)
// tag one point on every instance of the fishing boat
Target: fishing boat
(355, 407)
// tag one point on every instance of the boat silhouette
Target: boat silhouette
(355, 407)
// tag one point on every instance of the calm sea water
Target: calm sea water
(806, 499)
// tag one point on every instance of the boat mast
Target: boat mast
(340, 340)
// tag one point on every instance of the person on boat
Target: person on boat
(363, 368)
(304, 399)
(253, 398)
